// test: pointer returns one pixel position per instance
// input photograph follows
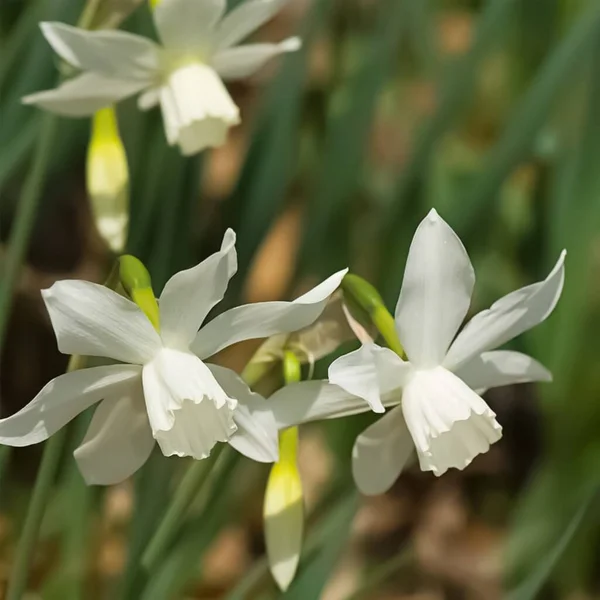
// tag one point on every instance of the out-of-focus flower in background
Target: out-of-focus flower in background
(441, 413)
(107, 177)
(184, 75)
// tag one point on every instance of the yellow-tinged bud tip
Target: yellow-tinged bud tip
(136, 281)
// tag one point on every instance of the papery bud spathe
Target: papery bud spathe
(108, 179)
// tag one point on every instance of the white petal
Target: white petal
(188, 24)
(264, 319)
(508, 317)
(188, 410)
(380, 453)
(61, 400)
(197, 109)
(449, 423)
(84, 95)
(369, 372)
(245, 19)
(243, 61)
(118, 441)
(257, 434)
(501, 367)
(189, 295)
(436, 292)
(315, 400)
(149, 99)
(92, 320)
(106, 52)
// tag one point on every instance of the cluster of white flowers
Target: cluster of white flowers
(156, 386)
(164, 392)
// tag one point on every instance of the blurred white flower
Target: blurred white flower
(184, 75)
(165, 392)
(440, 414)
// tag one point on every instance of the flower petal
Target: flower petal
(61, 400)
(149, 99)
(243, 61)
(501, 367)
(244, 19)
(315, 400)
(508, 317)
(189, 295)
(369, 372)
(436, 292)
(188, 24)
(107, 52)
(92, 320)
(189, 411)
(84, 95)
(257, 434)
(380, 453)
(264, 319)
(197, 108)
(118, 441)
(449, 423)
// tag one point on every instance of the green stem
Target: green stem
(23, 224)
(188, 489)
(35, 512)
(43, 485)
(190, 486)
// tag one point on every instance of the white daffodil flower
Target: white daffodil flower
(165, 392)
(441, 413)
(185, 74)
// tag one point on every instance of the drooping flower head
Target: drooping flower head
(184, 74)
(164, 392)
(441, 414)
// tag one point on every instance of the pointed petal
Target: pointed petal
(380, 453)
(189, 295)
(449, 423)
(149, 99)
(264, 319)
(92, 320)
(257, 434)
(315, 400)
(243, 61)
(436, 292)
(369, 372)
(501, 367)
(189, 411)
(118, 441)
(84, 95)
(508, 317)
(245, 19)
(188, 24)
(61, 400)
(106, 52)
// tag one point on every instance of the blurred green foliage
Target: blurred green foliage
(502, 137)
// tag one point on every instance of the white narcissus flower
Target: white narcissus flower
(184, 75)
(441, 413)
(164, 392)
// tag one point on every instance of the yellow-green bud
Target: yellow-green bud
(369, 299)
(136, 281)
(291, 367)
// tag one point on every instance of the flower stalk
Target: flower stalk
(283, 509)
